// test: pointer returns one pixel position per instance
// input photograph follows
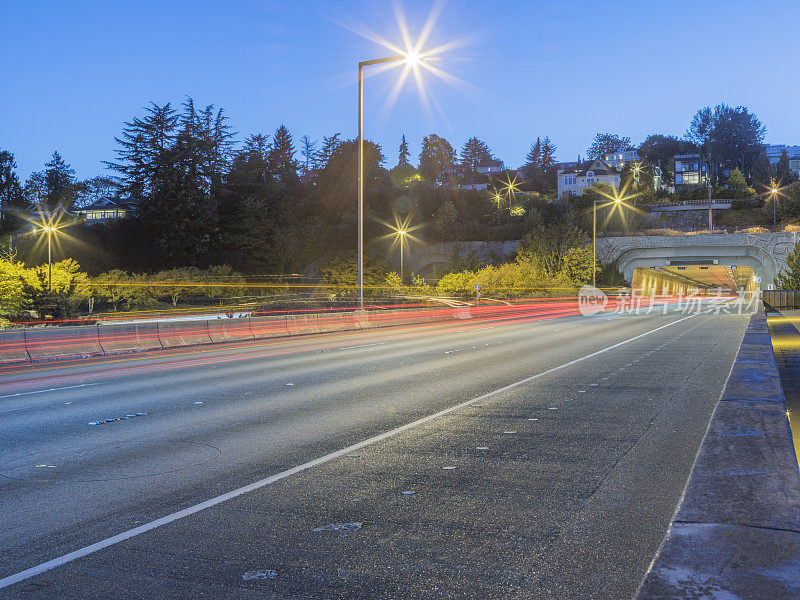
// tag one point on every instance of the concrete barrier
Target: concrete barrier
(62, 342)
(302, 324)
(12, 347)
(736, 531)
(230, 330)
(183, 333)
(330, 322)
(267, 327)
(58, 342)
(132, 337)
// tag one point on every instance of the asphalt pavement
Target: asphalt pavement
(510, 459)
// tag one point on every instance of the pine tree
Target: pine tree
(10, 189)
(474, 152)
(762, 174)
(142, 146)
(548, 154)
(308, 148)
(783, 171)
(789, 278)
(534, 158)
(281, 155)
(60, 182)
(404, 153)
(329, 146)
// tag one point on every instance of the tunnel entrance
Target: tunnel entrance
(695, 277)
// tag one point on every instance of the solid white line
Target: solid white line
(363, 345)
(69, 387)
(126, 535)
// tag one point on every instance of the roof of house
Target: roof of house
(491, 163)
(596, 166)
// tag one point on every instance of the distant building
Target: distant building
(774, 152)
(619, 158)
(794, 165)
(489, 167)
(690, 171)
(576, 180)
(106, 209)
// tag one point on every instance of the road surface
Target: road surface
(554, 455)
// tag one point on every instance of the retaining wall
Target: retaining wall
(736, 531)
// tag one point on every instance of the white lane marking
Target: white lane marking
(363, 345)
(130, 533)
(69, 387)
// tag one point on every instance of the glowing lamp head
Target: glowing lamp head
(413, 58)
(617, 200)
(774, 191)
(402, 232)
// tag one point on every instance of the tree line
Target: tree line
(266, 203)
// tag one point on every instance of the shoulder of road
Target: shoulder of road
(736, 531)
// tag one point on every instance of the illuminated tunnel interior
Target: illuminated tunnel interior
(683, 279)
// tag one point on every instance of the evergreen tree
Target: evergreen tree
(783, 172)
(308, 148)
(474, 152)
(178, 220)
(762, 174)
(59, 183)
(10, 189)
(329, 146)
(789, 277)
(141, 148)
(548, 154)
(281, 155)
(404, 153)
(534, 158)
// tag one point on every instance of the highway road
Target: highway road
(505, 459)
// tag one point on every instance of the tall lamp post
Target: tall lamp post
(774, 192)
(594, 240)
(49, 230)
(402, 234)
(411, 58)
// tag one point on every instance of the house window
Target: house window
(590, 173)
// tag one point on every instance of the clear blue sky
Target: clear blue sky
(74, 71)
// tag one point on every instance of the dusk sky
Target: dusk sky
(75, 71)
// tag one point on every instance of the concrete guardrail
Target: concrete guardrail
(48, 343)
(736, 531)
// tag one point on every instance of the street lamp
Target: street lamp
(402, 233)
(49, 231)
(594, 239)
(774, 193)
(412, 58)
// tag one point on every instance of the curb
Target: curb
(736, 531)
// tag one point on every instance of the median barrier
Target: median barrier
(57, 342)
(129, 337)
(331, 322)
(183, 333)
(736, 532)
(302, 324)
(12, 347)
(62, 342)
(267, 327)
(229, 330)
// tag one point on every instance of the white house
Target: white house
(576, 180)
